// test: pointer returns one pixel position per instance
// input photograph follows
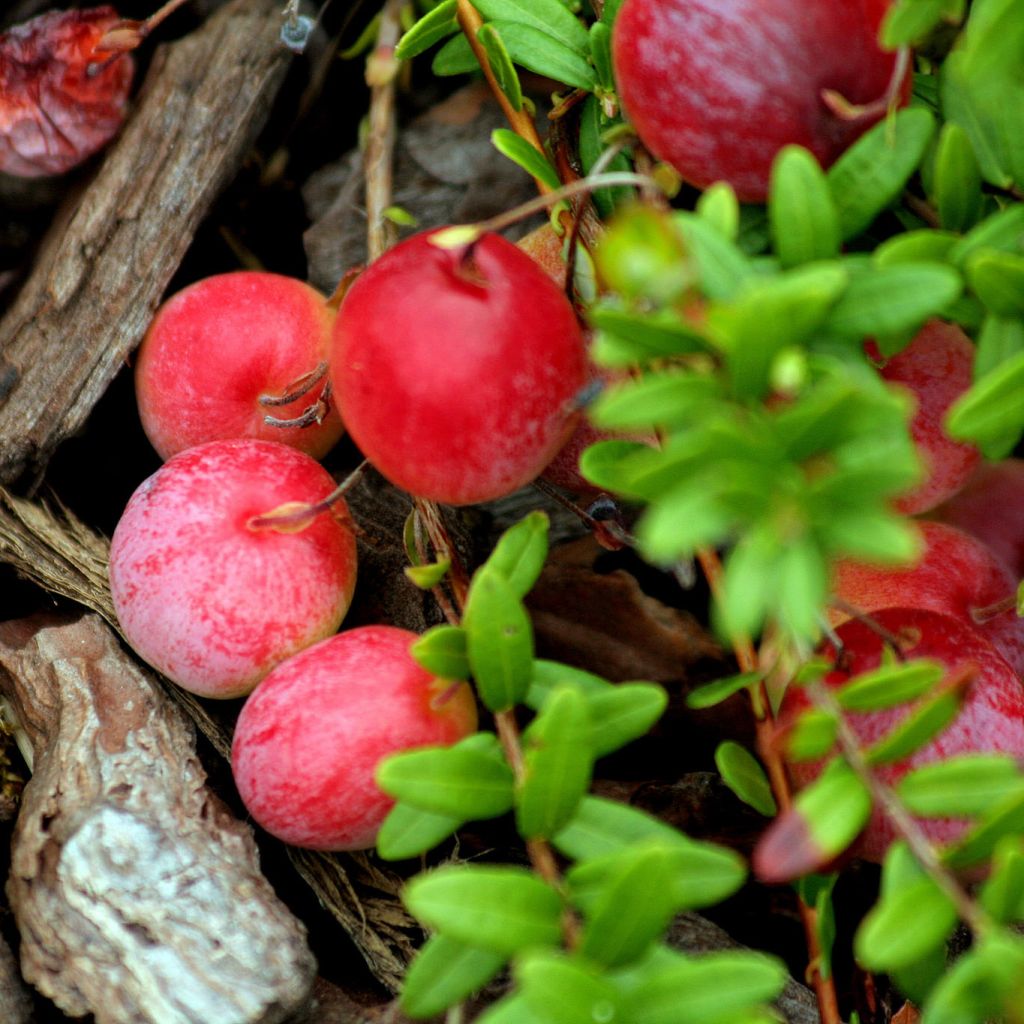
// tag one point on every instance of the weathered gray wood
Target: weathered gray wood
(137, 894)
(104, 267)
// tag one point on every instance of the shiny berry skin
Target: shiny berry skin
(717, 87)
(936, 368)
(212, 599)
(956, 574)
(311, 735)
(456, 368)
(53, 113)
(217, 347)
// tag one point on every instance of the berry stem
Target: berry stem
(764, 725)
(381, 69)
(519, 120)
(886, 798)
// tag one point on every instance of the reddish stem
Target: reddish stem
(764, 725)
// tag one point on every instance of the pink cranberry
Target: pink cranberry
(456, 368)
(219, 356)
(936, 368)
(717, 87)
(956, 574)
(311, 735)
(207, 593)
(991, 719)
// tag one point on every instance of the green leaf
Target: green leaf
(984, 984)
(917, 729)
(812, 736)
(601, 54)
(994, 406)
(769, 314)
(642, 256)
(1000, 339)
(667, 399)
(499, 641)
(719, 206)
(633, 907)
(649, 335)
(507, 910)
(905, 926)
(562, 990)
(434, 26)
(824, 819)
(1003, 232)
(607, 464)
(521, 153)
(512, 1009)
(909, 21)
(892, 299)
(803, 216)
(549, 675)
(871, 174)
(802, 576)
(520, 553)
(442, 652)
(593, 125)
(444, 973)
(557, 762)
(452, 781)
(1002, 894)
(538, 51)
(960, 786)
(456, 57)
(890, 685)
(602, 826)
(1005, 818)
(715, 988)
(501, 65)
(958, 193)
(743, 774)
(924, 246)
(710, 694)
(623, 713)
(721, 265)
(428, 575)
(998, 280)
(550, 17)
(700, 873)
(601, 829)
(407, 832)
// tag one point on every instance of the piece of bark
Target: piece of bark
(104, 267)
(605, 623)
(138, 896)
(691, 933)
(15, 1001)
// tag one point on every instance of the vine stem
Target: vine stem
(381, 233)
(519, 120)
(764, 725)
(885, 797)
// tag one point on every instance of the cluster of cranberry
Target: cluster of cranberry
(233, 566)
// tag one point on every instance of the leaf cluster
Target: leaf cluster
(589, 944)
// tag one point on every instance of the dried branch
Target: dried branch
(138, 895)
(103, 269)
